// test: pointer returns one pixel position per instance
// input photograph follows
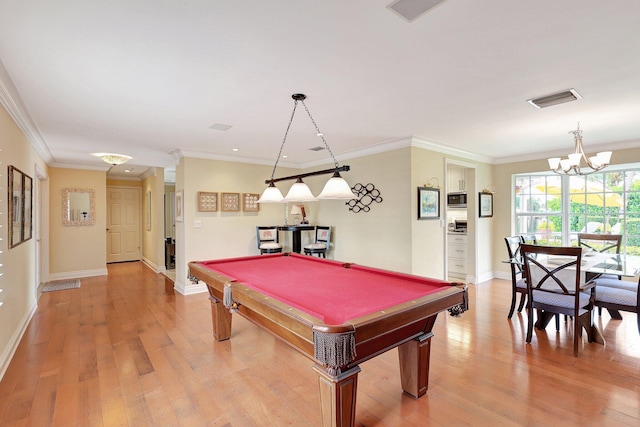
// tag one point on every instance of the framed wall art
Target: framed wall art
(250, 202)
(486, 205)
(428, 203)
(230, 202)
(179, 206)
(207, 201)
(20, 207)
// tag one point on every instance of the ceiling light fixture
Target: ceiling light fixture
(571, 166)
(113, 159)
(335, 189)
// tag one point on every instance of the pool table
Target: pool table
(338, 314)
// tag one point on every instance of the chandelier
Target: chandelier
(572, 165)
(336, 187)
(113, 159)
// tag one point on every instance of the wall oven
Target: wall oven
(457, 200)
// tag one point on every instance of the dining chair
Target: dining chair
(321, 242)
(603, 243)
(268, 240)
(609, 243)
(618, 295)
(554, 287)
(518, 284)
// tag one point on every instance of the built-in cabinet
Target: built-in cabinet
(457, 255)
(456, 178)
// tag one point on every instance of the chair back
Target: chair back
(267, 234)
(553, 273)
(600, 242)
(529, 239)
(323, 235)
(513, 248)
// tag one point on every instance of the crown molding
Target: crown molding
(12, 102)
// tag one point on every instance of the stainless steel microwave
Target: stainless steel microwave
(456, 200)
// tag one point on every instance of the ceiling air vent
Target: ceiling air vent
(220, 126)
(411, 10)
(555, 99)
(318, 148)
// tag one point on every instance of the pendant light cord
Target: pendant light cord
(320, 134)
(293, 113)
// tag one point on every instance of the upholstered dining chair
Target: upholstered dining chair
(518, 284)
(554, 287)
(603, 243)
(609, 243)
(618, 295)
(268, 240)
(321, 242)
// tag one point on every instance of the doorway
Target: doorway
(123, 224)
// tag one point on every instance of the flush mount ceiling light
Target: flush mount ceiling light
(555, 99)
(571, 166)
(113, 159)
(335, 189)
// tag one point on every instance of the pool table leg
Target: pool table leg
(414, 365)
(338, 396)
(221, 319)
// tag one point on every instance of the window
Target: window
(556, 208)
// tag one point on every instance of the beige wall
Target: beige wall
(18, 279)
(153, 232)
(77, 251)
(221, 234)
(381, 237)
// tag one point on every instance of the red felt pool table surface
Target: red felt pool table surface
(323, 288)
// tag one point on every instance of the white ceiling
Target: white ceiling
(146, 78)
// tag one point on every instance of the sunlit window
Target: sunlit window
(556, 208)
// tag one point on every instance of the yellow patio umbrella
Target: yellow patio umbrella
(596, 193)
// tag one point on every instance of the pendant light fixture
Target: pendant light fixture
(571, 165)
(336, 188)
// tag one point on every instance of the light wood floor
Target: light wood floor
(123, 351)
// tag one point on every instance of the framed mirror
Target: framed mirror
(78, 207)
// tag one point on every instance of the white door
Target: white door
(123, 224)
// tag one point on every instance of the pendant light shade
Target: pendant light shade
(299, 192)
(336, 189)
(271, 194)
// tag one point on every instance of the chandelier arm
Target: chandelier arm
(320, 134)
(275, 166)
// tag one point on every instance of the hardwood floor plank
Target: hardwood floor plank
(123, 351)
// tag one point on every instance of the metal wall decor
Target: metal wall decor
(365, 196)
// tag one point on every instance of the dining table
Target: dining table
(593, 264)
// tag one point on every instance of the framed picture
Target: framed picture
(250, 202)
(486, 205)
(148, 212)
(20, 207)
(179, 206)
(207, 201)
(428, 203)
(230, 202)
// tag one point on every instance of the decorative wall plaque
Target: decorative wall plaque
(207, 202)
(250, 202)
(230, 202)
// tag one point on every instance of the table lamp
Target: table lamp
(297, 212)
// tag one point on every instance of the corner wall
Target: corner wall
(77, 251)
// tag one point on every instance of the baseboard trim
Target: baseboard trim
(78, 274)
(191, 289)
(13, 343)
